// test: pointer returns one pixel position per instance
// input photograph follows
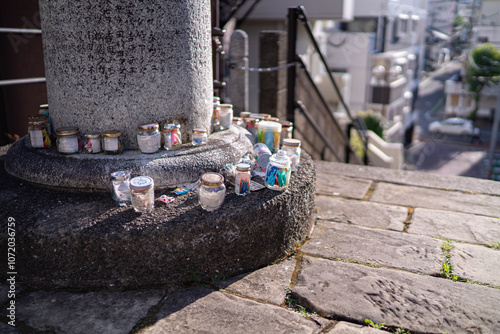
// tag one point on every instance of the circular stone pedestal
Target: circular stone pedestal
(90, 172)
(85, 240)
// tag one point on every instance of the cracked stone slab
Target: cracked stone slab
(343, 327)
(454, 225)
(92, 312)
(361, 213)
(267, 284)
(418, 303)
(477, 263)
(436, 199)
(337, 185)
(378, 247)
(201, 310)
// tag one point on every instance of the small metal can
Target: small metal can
(262, 154)
(242, 179)
(199, 137)
(39, 131)
(142, 194)
(148, 137)
(112, 142)
(92, 143)
(68, 140)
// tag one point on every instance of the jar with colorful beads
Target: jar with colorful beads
(292, 149)
(172, 138)
(68, 140)
(112, 142)
(242, 179)
(278, 171)
(39, 131)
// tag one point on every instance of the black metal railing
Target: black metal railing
(295, 15)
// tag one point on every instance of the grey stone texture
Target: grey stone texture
(337, 185)
(116, 64)
(343, 327)
(76, 239)
(361, 213)
(89, 172)
(267, 284)
(200, 310)
(238, 79)
(436, 199)
(376, 247)
(90, 312)
(455, 226)
(476, 263)
(421, 303)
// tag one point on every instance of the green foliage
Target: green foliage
(374, 325)
(293, 305)
(374, 121)
(401, 331)
(459, 22)
(357, 144)
(446, 270)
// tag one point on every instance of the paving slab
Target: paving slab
(361, 213)
(418, 303)
(373, 246)
(201, 310)
(477, 263)
(436, 199)
(268, 284)
(337, 185)
(456, 226)
(92, 312)
(343, 327)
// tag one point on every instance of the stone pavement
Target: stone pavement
(416, 252)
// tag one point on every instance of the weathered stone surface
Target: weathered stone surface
(436, 199)
(88, 172)
(93, 312)
(200, 310)
(477, 263)
(8, 329)
(427, 180)
(455, 226)
(419, 303)
(373, 246)
(71, 239)
(361, 213)
(343, 327)
(334, 185)
(116, 64)
(268, 284)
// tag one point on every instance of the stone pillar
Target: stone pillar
(112, 64)
(272, 96)
(238, 82)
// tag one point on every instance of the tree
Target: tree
(483, 68)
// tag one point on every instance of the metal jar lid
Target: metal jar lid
(270, 125)
(291, 142)
(120, 175)
(141, 183)
(226, 106)
(38, 119)
(67, 131)
(112, 133)
(244, 114)
(211, 179)
(148, 127)
(280, 159)
(266, 116)
(286, 124)
(243, 167)
(170, 126)
(199, 130)
(43, 107)
(93, 135)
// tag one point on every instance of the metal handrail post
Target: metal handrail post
(291, 57)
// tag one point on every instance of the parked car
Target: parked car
(454, 126)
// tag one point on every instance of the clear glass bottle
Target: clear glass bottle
(278, 171)
(92, 143)
(43, 109)
(286, 130)
(112, 142)
(242, 179)
(212, 191)
(120, 187)
(148, 137)
(269, 134)
(172, 137)
(216, 115)
(226, 115)
(142, 194)
(39, 131)
(68, 140)
(199, 137)
(293, 150)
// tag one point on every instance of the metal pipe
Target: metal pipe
(13, 82)
(20, 31)
(291, 58)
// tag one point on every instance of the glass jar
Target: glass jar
(286, 130)
(242, 179)
(120, 187)
(212, 191)
(68, 140)
(92, 143)
(199, 137)
(250, 125)
(278, 171)
(244, 114)
(43, 109)
(216, 115)
(226, 115)
(237, 121)
(262, 154)
(172, 137)
(39, 131)
(112, 142)
(148, 137)
(269, 134)
(142, 194)
(292, 150)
